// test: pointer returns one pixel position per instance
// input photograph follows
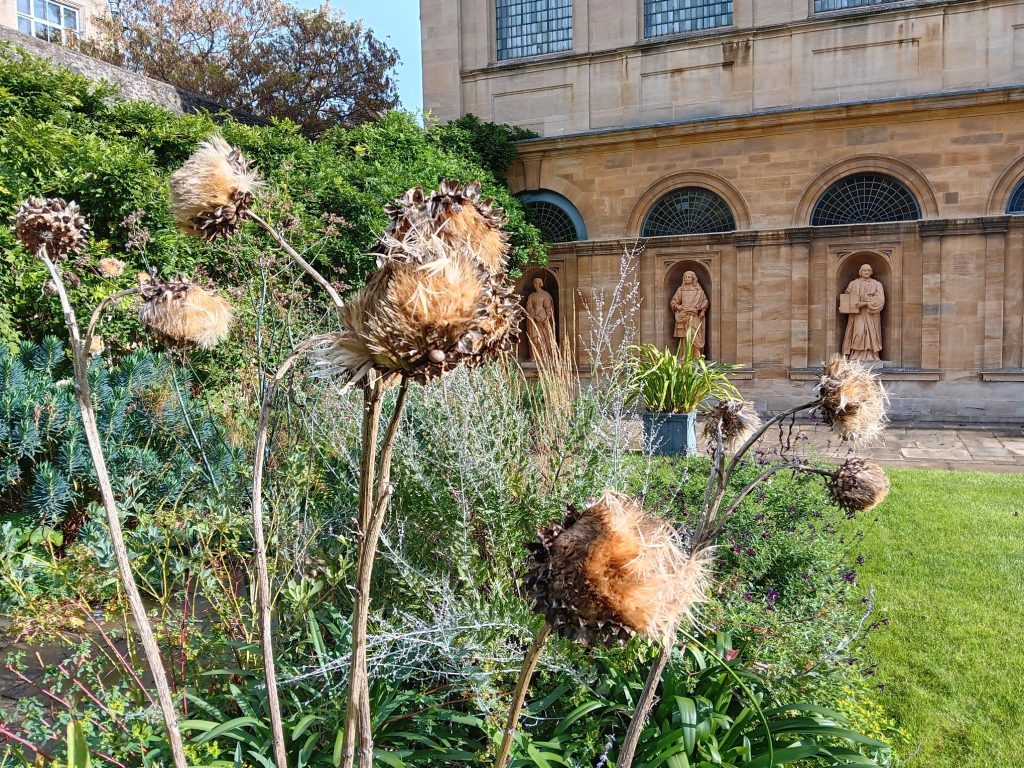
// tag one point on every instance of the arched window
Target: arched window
(554, 215)
(688, 211)
(1016, 204)
(863, 198)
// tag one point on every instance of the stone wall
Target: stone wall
(954, 321)
(777, 54)
(130, 84)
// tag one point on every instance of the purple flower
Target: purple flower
(747, 596)
(758, 518)
(772, 595)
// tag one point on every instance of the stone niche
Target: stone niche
(882, 271)
(673, 279)
(524, 287)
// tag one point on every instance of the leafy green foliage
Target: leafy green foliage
(680, 382)
(62, 135)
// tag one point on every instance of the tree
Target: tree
(264, 57)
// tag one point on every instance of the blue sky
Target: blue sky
(398, 23)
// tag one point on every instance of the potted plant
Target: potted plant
(672, 387)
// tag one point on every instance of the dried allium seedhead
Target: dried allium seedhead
(213, 190)
(739, 421)
(457, 215)
(110, 267)
(183, 313)
(854, 401)
(430, 307)
(858, 485)
(51, 224)
(611, 570)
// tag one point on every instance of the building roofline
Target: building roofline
(779, 117)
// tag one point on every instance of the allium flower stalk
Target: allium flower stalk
(52, 230)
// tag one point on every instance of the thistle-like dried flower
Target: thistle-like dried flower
(858, 485)
(110, 267)
(611, 570)
(51, 224)
(854, 401)
(181, 312)
(457, 214)
(213, 190)
(431, 306)
(739, 422)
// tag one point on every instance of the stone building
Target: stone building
(56, 21)
(772, 147)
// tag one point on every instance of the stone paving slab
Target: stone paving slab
(961, 448)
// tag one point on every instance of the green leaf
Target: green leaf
(78, 750)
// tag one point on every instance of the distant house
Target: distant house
(62, 23)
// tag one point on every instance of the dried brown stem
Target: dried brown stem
(643, 708)
(262, 570)
(285, 246)
(519, 697)
(80, 362)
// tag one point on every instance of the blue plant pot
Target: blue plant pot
(671, 434)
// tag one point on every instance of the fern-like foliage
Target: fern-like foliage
(160, 444)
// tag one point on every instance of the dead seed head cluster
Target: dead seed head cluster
(213, 190)
(51, 224)
(183, 313)
(110, 267)
(435, 302)
(854, 402)
(858, 485)
(738, 419)
(612, 570)
(457, 214)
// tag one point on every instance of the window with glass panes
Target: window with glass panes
(838, 5)
(670, 17)
(533, 27)
(46, 20)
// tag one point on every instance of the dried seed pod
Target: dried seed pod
(612, 570)
(739, 421)
(430, 307)
(213, 190)
(50, 223)
(858, 485)
(457, 214)
(181, 312)
(110, 267)
(96, 345)
(854, 401)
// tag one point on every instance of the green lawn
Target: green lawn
(946, 558)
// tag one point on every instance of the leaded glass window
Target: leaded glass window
(555, 225)
(54, 22)
(838, 5)
(688, 211)
(1016, 204)
(670, 17)
(533, 27)
(864, 198)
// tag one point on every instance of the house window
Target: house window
(688, 211)
(1016, 204)
(670, 17)
(864, 198)
(838, 5)
(47, 20)
(533, 27)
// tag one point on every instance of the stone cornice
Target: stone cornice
(774, 121)
(758, 237)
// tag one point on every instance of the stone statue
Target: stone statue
(863, 307)
(540, 320)
(690, 305)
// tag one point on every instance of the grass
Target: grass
(946, 558)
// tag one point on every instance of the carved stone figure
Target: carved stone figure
(690, 305)
(862, 303)
(540, 319)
